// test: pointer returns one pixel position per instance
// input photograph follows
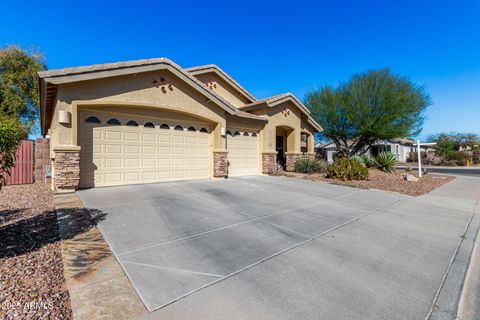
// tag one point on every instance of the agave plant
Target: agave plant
(368, 160)
(386, 161)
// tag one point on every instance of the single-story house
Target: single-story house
(151, 120)
(401, 148)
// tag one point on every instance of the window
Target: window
(165, 126)
(132, 123)
(246, 134)
(149, 125)
(114, 121)
(203, 130)
(92, 119)
(254, 134)
(397, 149)
(236, 133)
(192, 129)
(179, 128)
(229, 132)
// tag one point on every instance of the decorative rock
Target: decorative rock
(411, 177)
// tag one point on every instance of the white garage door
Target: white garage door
(242, 152)
(124, 150)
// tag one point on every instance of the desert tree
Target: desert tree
(371, 106)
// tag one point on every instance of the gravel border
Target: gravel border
(32, 284)
(393, 182)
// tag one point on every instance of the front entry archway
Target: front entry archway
(283, 144)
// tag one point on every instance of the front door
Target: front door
(280, 151)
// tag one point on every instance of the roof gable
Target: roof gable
(211, 68)
(273, 101)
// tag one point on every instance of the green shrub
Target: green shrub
(310, 166)
(347, 169)
(358, 159)
(368, 160)
(386, 161)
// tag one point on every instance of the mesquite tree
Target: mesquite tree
(372, 106)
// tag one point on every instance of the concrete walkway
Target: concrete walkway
(407, 261)
(96, 283)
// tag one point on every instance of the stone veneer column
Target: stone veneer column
(291, 158)
(220, 163)
(66, 168)
(269, 162)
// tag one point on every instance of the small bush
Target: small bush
(347, 169)
(368, 160)
(310, 166)
(386, 161)
(358, 159)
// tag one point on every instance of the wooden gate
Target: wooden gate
(22, 173)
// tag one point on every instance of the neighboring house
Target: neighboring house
(401, 148)
(151, 120)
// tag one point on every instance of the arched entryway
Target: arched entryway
(284, 143)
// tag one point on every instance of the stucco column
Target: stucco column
(310, 154)
(66, 169)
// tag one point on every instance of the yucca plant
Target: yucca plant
(368, 160)
(386, 161)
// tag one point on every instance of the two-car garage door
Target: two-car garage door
(118, 150)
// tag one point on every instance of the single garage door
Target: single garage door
(118, 150)
(242, 152)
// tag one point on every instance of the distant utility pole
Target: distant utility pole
(419, 155)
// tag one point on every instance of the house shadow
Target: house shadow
(29, 234)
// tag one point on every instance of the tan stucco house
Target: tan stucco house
(150, 120)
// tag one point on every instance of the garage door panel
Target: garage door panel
(164, 138)
(113, 135)
(149, 137)
(132, 176)
(132, 136)
(149, 150)
(178, 150)
(131, 149)
(132, 163)
(178, 139)
(119, 154)
(113, 148)
(113, 163)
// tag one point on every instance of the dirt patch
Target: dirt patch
(380, 180)
(32, 285)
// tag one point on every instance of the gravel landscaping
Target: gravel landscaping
(380, 180)
(32, 285)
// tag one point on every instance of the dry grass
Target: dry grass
(380, 180)
(32, 285)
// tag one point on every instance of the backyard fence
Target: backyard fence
(22, 173)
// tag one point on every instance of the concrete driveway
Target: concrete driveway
(281, 248)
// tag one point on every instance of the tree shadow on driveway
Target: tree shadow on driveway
(29, 234)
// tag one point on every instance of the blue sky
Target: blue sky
(272, 47)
